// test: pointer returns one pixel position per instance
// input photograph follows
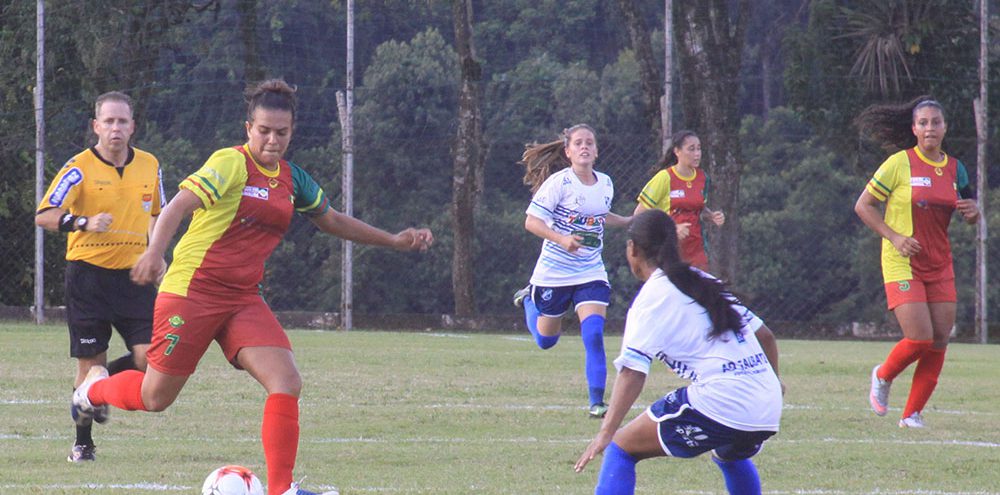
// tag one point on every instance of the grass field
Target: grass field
(431, 413)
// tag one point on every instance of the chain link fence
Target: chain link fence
(807, 264)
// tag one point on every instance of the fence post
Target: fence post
(39, 158)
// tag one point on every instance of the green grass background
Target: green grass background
(433, 413)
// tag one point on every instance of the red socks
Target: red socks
(902, 355)
(123, 390)
(925, 378)
(279, 433)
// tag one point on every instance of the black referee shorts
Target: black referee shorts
(97, 299)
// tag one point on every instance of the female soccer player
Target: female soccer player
(680, 188)
(686, 319)
(921, 186)
(571, 205)
(242, 200)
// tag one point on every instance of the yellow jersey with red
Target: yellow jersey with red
(920, 196)
(683, 198)
(245, 212)
(87, 185)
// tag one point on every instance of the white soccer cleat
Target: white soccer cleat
(83, 410)
(915, 420)
(521, 294)
(879, 394)
(295, 490)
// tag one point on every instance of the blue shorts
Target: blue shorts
(685, 432)
(555, 301)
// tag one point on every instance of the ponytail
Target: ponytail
(669, 159)
(542, 160)
(654, 235)
(892, 124)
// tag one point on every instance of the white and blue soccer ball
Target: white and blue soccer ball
(232, 480)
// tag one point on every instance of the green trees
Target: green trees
(544, 65)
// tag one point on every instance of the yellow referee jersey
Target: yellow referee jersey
(87, 185)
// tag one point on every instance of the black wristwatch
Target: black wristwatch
(81, 223)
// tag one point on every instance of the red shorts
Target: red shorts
(184, 327)
(910, 291)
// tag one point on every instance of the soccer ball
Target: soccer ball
(232, 480)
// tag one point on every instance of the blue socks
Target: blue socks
(741, 476)
(531, 319)
(617, 475)
(592, 332)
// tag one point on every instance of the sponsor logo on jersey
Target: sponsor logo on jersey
(938, 171)
(216, 175)
(147, 202)
(256, 192)
(745, 365)
(920, 181)
(273, 183)
(677, 193)
(73, 177)
(577, 219)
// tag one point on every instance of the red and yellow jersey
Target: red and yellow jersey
(245, 212)
(920, 196)
(683, 198)
(87, 185)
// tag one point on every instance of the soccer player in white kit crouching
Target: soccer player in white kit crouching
(686, 319)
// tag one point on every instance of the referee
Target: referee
(106, 198)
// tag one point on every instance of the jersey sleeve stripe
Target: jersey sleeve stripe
(634, 360)
(192, 185)
(878, 189)
(646, 200)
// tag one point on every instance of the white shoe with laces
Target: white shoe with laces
(295, 490)
(83, 411)
(915, 420)
(879, 394)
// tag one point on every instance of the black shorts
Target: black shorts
(96, 299)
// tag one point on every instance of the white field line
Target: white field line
(306, 401)
(495, 440)
(158, 487)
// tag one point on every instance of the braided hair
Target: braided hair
(654, 234)
(542, 160)
(892, 124)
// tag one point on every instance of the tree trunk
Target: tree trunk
(649, 75)
(469, 154)
(710, 36)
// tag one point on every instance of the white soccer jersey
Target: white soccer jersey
(567, 206)
(732, 381)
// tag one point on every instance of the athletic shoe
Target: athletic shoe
(81, 453)
(879, 395)
(598, 410)
(520, 295)
(915, 420)
(84, 411)
(295, 490)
